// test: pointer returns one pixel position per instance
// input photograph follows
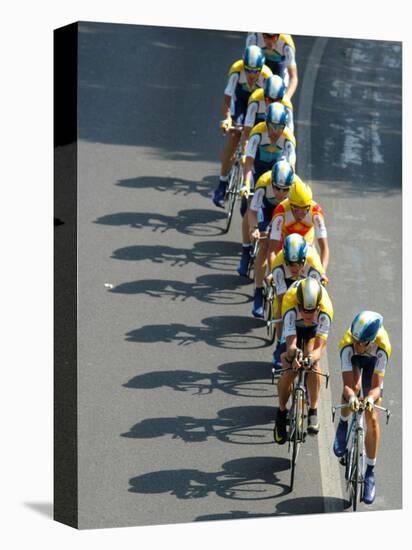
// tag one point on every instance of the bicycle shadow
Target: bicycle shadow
(176, 186)
(229, 332)
(234, 514)
(241, 378)
(214, 289)
(248, 479)
(195, 222)
(217, 255)
(236, 425)
(309, 505)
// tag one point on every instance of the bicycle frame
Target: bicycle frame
(297, 415)
(354, 459)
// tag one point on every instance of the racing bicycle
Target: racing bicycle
(354, 458)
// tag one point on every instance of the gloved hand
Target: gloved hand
(353, 403)
(226, 124)
(255, 234)
(244, 191)
(368, 403)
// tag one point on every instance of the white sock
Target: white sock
(344, 418)
(370, 461)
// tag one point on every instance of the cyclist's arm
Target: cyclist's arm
(226, 106)
(293, 81)
(244, 139)
(324, 252)
(375, 391)
(318, 348)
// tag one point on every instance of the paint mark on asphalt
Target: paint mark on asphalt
(329, 467)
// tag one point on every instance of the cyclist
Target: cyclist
(297, 260)
(299, 213)
(280, 53)
(364, 351)
(245, 76)
(274, 90)
(269, 142)
(271, 188)
(307, 314)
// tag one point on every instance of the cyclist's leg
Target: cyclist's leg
(351, 378)
(372, 438)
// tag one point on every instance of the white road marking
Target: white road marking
(329, 466)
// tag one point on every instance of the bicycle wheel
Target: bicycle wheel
(353, 474)
(231, 194)
(296, 433)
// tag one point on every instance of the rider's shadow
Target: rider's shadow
(218, 255)
(238, 425)
(176, 186)
(240, 378)
(242, 479)
(310, 505)
(214, 289)
(230, 332)
(196, 222)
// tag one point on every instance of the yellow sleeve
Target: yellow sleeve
(346, 341)
(258, 129)
(382, 341)
(326, 304)
(314, 260)
(236, 67)
(257, 96)
(288, 135)
(287, 38)
(278, 260)
(289, 300)
(264, 180)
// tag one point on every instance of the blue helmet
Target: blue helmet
(366, 325)
(282, 174)
(276, 115)
(253, 58)
(274, 88)
(295, 248)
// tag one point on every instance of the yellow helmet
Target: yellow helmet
(300, 194)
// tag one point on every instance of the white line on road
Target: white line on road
(329, 467)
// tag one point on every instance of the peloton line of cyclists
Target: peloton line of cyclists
(257, 101)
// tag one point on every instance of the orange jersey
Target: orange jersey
(311, 226)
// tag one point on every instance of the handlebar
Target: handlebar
(361, 410)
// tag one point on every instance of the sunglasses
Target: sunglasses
(297, 207)
(309, 311)
(364, 344)
(267, 35)
(300, 264)
(276, 127)
(252, 70)
(280, 188)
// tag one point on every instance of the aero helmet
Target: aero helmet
(274, 88)
(295, 248)
(253, 58)
(282, 174)
(276, 114)
(300, 194)
(366, 325)
(309, 293)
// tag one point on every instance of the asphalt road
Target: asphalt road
(176, 407)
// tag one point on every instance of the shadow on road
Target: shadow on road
(176, 186)
(243, 379)
(238, 425)
(213, 289)
(242, 479)
(217, 255)
(309, 505)
(229, 332)
(196, 222)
